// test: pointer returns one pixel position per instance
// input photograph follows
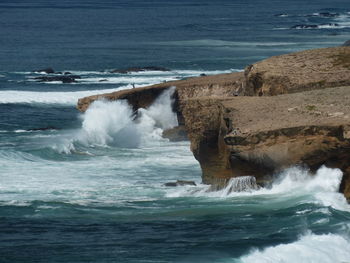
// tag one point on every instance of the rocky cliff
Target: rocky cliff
(237, 128)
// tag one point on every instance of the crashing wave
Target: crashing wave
(114, 123)
(328, 248)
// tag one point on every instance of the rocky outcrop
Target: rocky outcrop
(262, 135)
(295, 111)
(306, 70)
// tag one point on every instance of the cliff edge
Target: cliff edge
(287, 110)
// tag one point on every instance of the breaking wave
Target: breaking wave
(321, 188)
(66, 98)
(329, 248)
(114, 123)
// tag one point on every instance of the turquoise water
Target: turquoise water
(90, 188)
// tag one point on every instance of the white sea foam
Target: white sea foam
(125, 80)
(310, 248)
(223, 43)
(322, 188)
(70, 98)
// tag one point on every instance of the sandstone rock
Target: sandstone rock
(301, 71)
(259, 136)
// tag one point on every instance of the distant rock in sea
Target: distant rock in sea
(324, 14)
(64, 79)
(306, 26)
(281, 15)
(346, 44)
(45, 70)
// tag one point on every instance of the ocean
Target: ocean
(89, 187)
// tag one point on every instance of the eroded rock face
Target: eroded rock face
(260, 136)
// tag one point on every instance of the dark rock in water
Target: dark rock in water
(59, 72)
(346, 44)
(327, 14)
(64, 79)
(281, 15)
(103, 80)
(302, 26)
(180, 183)
(203, 75)
(305, 26)
(176, 134)
(43, 128)
(324, 14)
(139, 69)
(45, 70)
(67, 73)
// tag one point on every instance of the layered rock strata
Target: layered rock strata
(306, 121)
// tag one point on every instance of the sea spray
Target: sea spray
(115, 124)
(242, 184)
(109, 123)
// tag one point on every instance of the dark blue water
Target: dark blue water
(91, 35)
(90, 187)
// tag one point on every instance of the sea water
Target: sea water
(89, 187)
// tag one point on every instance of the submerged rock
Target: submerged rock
(139, 69)
(64, 79)
(176, 134)
(45, 70)
(306, 26)
(281, 15)
(346, 44)
(324, 14)
(43, 128)
(180, 183)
